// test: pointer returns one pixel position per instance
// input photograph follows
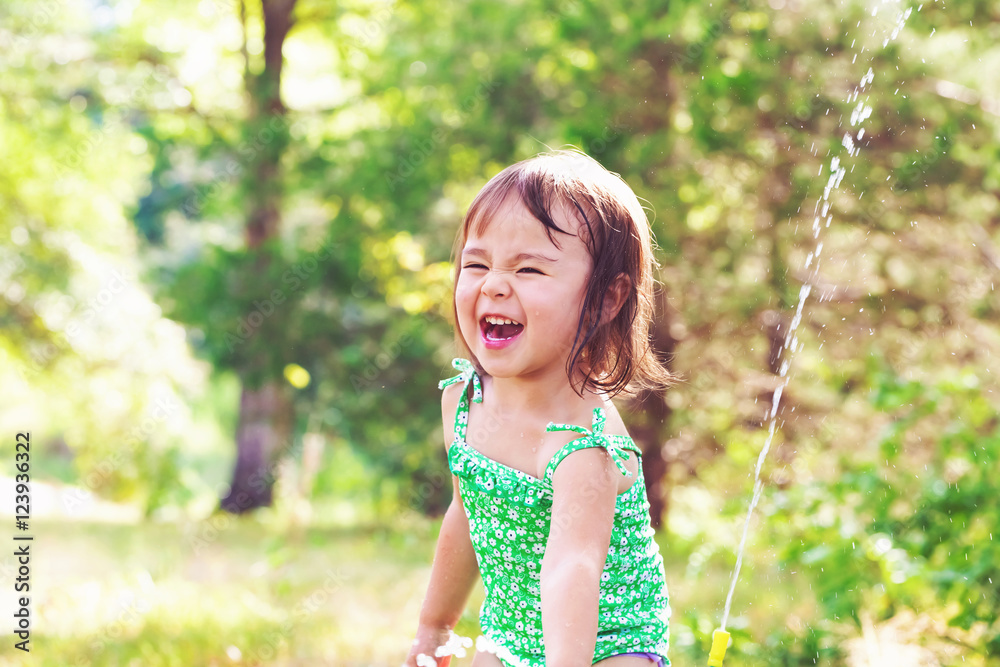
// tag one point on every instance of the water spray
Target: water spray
(851, 142)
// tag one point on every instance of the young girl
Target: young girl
(553, 307)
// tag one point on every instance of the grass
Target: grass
(224, 592)
(254, 591)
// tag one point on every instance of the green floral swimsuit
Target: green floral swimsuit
(509, 513)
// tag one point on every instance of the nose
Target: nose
(496, 285)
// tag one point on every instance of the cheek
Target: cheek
(465, 305)
(465, 295)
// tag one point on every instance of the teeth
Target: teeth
(493, 319)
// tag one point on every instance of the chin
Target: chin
(497, 368)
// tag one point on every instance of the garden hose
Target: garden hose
(720, 642)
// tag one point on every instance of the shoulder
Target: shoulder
(593, 462)
(586, 414)
(581, 467)
(450, 396)
(449, 406)
(614, 424)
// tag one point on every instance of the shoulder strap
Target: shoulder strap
(589, 438)
(467, 373)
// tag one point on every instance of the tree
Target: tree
(265, 421)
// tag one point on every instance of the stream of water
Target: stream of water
(821, 220)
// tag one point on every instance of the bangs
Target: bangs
(536, 188)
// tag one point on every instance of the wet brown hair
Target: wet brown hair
(614, 356)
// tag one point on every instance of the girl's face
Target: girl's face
(518, 295)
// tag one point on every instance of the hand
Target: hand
(428, 640)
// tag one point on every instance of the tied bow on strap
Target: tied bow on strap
(597, 436)
(467, 373)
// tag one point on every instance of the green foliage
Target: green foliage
(912, 526)
(809, 646)
(89, 364)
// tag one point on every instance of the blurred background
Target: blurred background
(225, 230)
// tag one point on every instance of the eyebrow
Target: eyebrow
(518, 258)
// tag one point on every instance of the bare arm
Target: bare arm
(583, 508)
(454, 571)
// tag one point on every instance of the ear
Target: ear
(615, 297)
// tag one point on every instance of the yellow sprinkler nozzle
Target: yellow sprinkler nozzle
(720, 642)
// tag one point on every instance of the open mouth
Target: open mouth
(498, 329)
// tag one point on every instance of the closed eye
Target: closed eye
(474, 266)
(529, 269)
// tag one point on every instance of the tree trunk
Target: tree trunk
(649, 432)
(650, 420)
(264, 429)
(265, 422)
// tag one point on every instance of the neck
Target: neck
(542, 395)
